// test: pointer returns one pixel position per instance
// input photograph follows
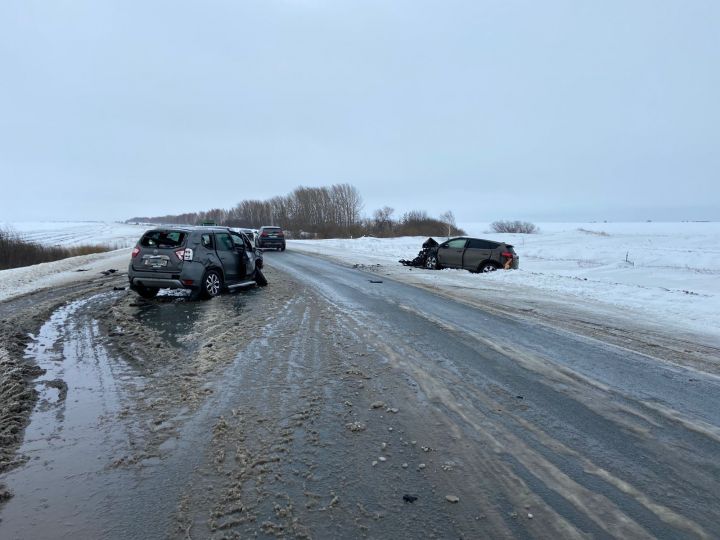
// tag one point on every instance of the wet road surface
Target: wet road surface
(330, 405)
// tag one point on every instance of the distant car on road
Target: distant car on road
(271, 237)
(204, 260)
(250, 233)
(473, 254)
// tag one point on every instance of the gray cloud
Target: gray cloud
(543, 110)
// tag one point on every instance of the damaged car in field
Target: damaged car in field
(203, 260)
(473, 254)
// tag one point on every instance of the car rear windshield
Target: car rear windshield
(272, 229)
(163, 239)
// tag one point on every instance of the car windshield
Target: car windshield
(163, 239)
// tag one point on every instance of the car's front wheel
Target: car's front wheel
(260, 278)
(431, 263)
(211, 284)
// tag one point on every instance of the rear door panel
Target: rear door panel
(477, 251)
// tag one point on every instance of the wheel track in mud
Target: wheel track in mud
(20, 319)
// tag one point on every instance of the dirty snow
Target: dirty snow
(666, 273)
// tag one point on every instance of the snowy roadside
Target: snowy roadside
(18, 281)
(673, 282)
(665, 274)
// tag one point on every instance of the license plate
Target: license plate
(156, 263)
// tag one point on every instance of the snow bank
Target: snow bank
(18, 281)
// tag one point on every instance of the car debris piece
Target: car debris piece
(375, 281)
(409, 498)
(452, 498)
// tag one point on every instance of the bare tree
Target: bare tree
(382, 223)
(449, 219)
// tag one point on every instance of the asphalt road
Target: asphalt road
(336, 404)
(616, 443)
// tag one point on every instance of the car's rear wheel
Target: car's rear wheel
(431, 263)
(282, 248)
(487, 267)
(146, 292)
(211, 284)
(260, 278)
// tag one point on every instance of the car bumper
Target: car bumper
(160, 283)
(189, 278)
(270, 243)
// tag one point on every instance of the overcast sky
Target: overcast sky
(541, 110)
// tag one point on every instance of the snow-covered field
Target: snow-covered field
(18, 281)
(73, 233)
(664, 273)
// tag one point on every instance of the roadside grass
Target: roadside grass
(16, 252)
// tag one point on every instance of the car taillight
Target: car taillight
(263, 233)
(281, 233)
(135, 252)
(507, 254)
(184, 254)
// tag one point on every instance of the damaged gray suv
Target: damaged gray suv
(204, 260)
(473, 254)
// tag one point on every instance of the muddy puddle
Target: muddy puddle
(121, 376)
(62, 490)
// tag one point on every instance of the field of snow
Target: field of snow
(73, 233)
(119, 236)
(667, 273)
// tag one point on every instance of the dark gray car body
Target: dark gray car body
(182, 257)
(473, 254)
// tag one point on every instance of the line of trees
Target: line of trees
(321, 212)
